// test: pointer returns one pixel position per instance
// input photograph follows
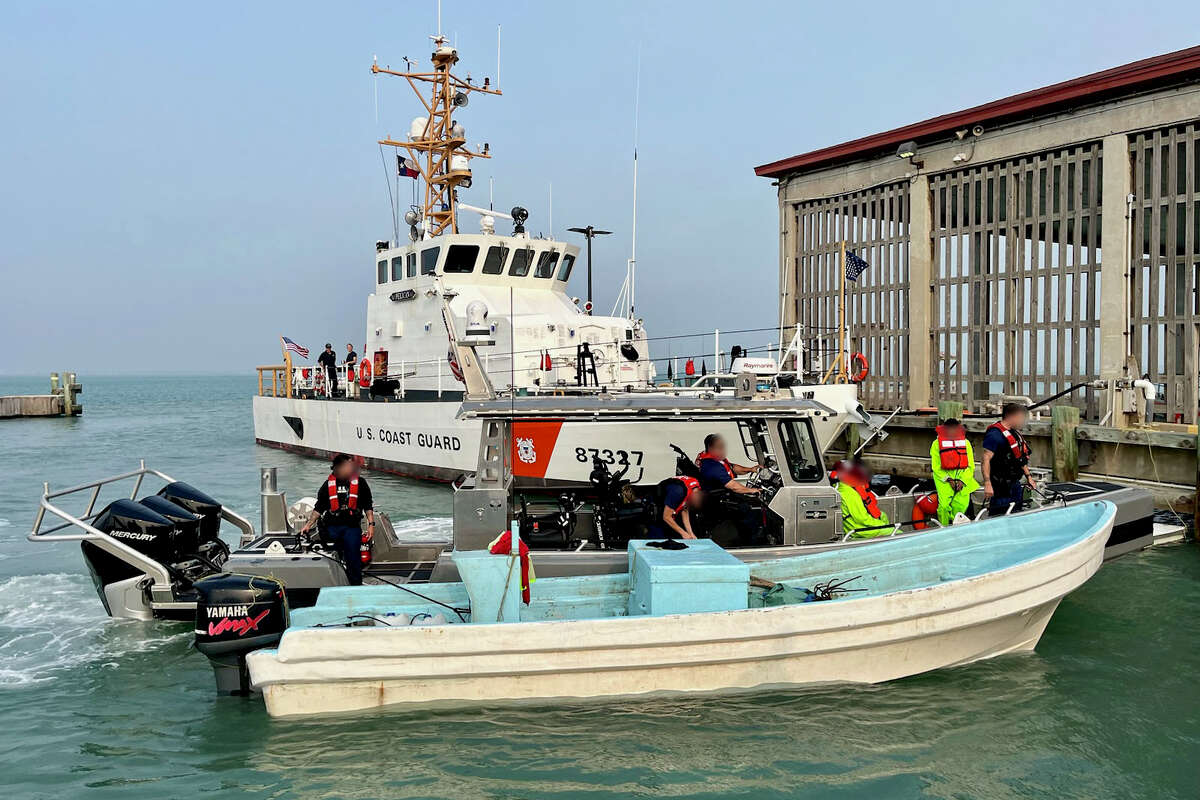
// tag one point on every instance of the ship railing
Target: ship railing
(158, 573)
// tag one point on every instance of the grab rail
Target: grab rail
(159, 574)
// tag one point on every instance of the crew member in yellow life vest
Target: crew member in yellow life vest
(953, 464)
(862, 517)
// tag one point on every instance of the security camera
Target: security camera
(977, 130)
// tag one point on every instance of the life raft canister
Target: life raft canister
(864, 368)
(1016, 444)
(351, 499)
(364, 372)
(925, 508)
(953, 449)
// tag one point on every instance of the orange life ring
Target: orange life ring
(364, 373)
(864, 368)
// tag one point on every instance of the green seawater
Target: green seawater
(1107, 707)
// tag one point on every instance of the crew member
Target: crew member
(1006, 461)
(953, 462)
(351, 360)
(328, 360)
(342, 501)
(679, 496)
(717, 472)
(862, 517)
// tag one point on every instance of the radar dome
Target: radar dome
(416, 129)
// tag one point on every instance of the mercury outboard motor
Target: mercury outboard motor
(237, 614)
(196, 501)
(132, 524)
(187, 525)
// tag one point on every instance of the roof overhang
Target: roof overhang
(1094, 88)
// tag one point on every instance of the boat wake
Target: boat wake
(421, 529)
(51, 623)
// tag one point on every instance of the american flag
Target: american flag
(288, 344)
(854, 266)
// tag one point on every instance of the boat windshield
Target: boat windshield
(800, 450)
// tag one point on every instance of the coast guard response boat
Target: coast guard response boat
(396, 410)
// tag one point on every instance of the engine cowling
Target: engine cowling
(235, 615)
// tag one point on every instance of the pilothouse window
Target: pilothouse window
(800, 451)
(429, 259)
(397, 268)
(493, 262)
(564, 272)
(547, 261)
(382, 273)
(520, 263)
(460, 258)
(412, 265)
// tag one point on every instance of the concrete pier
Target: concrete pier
(61, 402)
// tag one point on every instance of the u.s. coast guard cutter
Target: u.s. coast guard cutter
(397, 411)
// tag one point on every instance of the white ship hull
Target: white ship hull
(423, 439)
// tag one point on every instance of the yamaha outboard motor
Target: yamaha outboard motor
(236, 614)
(132, 524)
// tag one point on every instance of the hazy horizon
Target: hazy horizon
(184, 184)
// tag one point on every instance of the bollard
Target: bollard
(1065, 447)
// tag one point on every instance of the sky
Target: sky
(184, 183)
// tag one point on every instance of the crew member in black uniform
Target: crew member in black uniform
(328, 360)
(342, 501)
(1006, 461)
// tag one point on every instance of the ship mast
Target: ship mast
(437, 144)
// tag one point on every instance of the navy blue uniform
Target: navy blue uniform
(714, 474)
(674, 493)
(1006, 475)
(344, 526)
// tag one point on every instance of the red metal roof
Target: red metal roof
(1094, 87)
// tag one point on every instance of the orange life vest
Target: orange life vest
(724, 462)
(502, 545)
(925, 507)
(1016, 443)
(864, 492)
(690, 484)
(364, 372)
(351, 499)
(953, 449)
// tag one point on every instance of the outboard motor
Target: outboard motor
(187, 525)
(137, 526)
(237, 614)
(196, 501)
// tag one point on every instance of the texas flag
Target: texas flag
(407, 167)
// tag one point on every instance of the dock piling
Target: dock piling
(1063, 443)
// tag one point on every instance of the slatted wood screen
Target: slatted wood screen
(874, 223)
(1016, 286)
(1166, 259)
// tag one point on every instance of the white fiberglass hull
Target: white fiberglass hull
(424, 439)
(867, 640)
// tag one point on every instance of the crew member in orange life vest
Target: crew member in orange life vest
(717, 472)
(343, 499)
(1006, 461)
(679, 496)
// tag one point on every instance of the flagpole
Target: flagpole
(287, 369)
(843, 356)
